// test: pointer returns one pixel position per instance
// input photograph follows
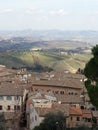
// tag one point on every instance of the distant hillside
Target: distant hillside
(27, 43)
(50, 59)
(84, 35)
(48, 49)
(11, 44)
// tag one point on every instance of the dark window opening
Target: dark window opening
(71, 118)
(78, 118)
(0, 107)
(8, 107)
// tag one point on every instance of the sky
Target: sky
(49, 14)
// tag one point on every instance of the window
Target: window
(78, 118)
(16, 98)
(82, 107)
(1, 98)
(89, 119)
(49, 90)
(0, 107)
(8, 107)
(86, 119)
(71, 118)
(9, 98)
(16, 107)
(61, 92)
(36, 89)
(76, 94)
(69, 93)
(35, 117)
(56, 92)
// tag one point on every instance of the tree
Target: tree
(53, 121)
(91, 72)
(83, 127)
(2, 122)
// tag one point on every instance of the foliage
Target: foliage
(83, 127)
(91, 72)
(2, 122)
(53, 121)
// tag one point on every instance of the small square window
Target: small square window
(9, 98)
(1, 98)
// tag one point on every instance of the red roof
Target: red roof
(75, 111)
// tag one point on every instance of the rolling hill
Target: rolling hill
(54, 60)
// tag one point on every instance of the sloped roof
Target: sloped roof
(69, 98)
(11, 89)
(75, 111)
(70, 83)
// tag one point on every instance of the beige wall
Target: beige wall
(4, 103)
(43, 104)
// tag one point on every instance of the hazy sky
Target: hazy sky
(49, 14)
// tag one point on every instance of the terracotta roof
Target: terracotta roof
(70, 83)
(5, 72)
(75, 111)
(69, 75)
(69, 98)
(11, 89)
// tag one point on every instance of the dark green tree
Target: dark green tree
(91, 72)
(83, 127)
(2, 122)
(53, 121)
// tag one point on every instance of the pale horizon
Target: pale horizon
(66, 15)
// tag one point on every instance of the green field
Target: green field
(54, 60)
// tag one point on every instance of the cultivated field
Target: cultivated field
(54, 60)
